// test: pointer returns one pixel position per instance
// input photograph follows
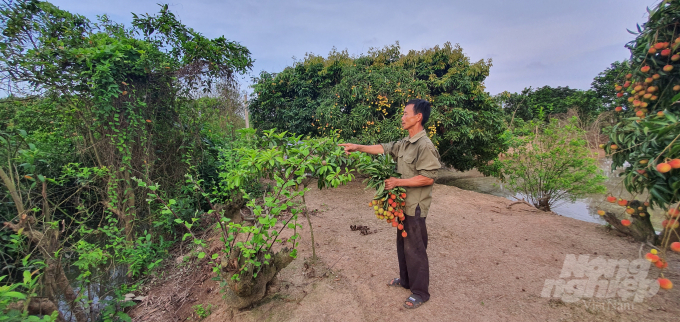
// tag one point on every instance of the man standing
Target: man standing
(417, 162)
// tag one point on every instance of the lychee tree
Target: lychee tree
(362, 98)
(644, 142)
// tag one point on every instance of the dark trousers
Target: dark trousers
(414, 268)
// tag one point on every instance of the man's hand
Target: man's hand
(350, 147)
(391, 183)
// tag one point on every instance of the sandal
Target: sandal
(413, 301)
(395, 282)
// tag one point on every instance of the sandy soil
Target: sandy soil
(487, 263)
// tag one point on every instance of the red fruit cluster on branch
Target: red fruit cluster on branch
(640, 88)
(664, 167)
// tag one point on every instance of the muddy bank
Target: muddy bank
(487, 263)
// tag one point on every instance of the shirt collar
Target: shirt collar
(416, 137)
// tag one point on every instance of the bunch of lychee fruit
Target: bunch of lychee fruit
(642, 93)
(668, 165)
(390, 207)
(643, 90)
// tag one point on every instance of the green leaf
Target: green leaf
(15, 295)
(671, 116)
(381, 188)
(658, 196)
(27, 277)
(201, 255)
(675, 98)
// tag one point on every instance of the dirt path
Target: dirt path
(487, 263)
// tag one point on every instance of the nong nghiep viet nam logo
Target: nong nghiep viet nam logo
(585, 278)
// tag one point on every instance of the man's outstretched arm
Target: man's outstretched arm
(370, 149)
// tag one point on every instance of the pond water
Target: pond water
(582, 209)
(105, 281)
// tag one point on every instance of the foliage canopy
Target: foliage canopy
(94, 105)
(362, 99)
(541, 103)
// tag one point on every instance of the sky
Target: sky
(531, 42)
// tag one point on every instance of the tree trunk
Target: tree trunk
(231, 210)
(55, 280)
(129, 204)
(309, 220)
(120, 207)
(16, 197)
(543, 204)
(249, 290)
(311, 231)
(56, 283)
(640, 229)
(38, 306)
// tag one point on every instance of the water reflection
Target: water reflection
(582, 209)
(105, 281)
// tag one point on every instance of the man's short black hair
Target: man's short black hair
(422, 107)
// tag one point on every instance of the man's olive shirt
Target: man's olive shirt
(415, 156)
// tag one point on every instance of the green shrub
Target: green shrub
(552, 164)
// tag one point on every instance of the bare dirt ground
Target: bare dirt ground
(487, 263)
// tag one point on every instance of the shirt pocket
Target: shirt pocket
(407, 164)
